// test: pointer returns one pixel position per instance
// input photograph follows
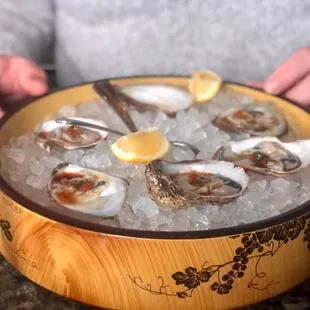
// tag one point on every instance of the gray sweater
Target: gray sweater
(92, 39)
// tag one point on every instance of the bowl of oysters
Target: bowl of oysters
(183, 192)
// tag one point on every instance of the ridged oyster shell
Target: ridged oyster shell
(170, 183)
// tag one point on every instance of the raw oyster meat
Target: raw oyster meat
(257, 120)
(267, 155)
(69, 136)
(87, 191)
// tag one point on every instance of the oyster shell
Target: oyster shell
(69, 136)
(257, 120)
(168, 99)
(87, 191)
(267, 155)
(188, 183)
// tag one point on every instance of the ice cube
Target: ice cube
(267, 210)
(180, 154)
(168, 125)
(193, 116)
(221, 138)
(90, 109)
(145, 208)
(160, 119)
(72, 157)
(127, 218)
(279, 187)
(67, 111)
(248, 210)
(16, 176)
(36, 181)
(52, 162)
(179, 223)
(182, 118)
(164, 216)
(292, 190)
(163, 227)
(198, 136)
(23, 141)
(205, 221)
(13, 141)
(140, 119)
(90, 162)
(37, 168)
(110, 222)
(199, 226)
(250, 216)
(104, 161)
(303, 195)
(245, 203)
(247, 100)
(258, 186)
(17, 155)
(203, 118)
(149, 224)
(239, 136)
(211, 130)
(218, 214)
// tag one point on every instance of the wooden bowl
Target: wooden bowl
(127, 269)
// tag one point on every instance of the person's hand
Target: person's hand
(20, 78)
(291, 79)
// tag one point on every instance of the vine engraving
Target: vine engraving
(222, 277)
(11, 205)
(7, 237)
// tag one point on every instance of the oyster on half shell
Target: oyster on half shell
(190, 183)
(267, 155)
(87, 191)
(166, 98)
(257, 120)
(69, 136)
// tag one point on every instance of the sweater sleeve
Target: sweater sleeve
(26, 27)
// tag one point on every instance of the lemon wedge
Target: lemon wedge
(142, 146)
(204, 85)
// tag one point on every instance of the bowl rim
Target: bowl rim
(145, 234)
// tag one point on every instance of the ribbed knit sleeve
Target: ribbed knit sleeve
(26, 27)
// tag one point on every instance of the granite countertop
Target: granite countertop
(19, 293)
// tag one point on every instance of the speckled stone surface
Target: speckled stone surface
(19, 293)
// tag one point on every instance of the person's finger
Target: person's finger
(1, 113)
(256, 84)
(289, 73)
(300, 93)
(8, 99)
(33, 83)
(21, 76)
(32, 79)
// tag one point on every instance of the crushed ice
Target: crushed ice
(27, 167)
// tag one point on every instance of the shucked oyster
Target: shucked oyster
(87, 191)
(257, 120)
(267, 155)
(188, 183)
(69, 136)
(168, 99)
